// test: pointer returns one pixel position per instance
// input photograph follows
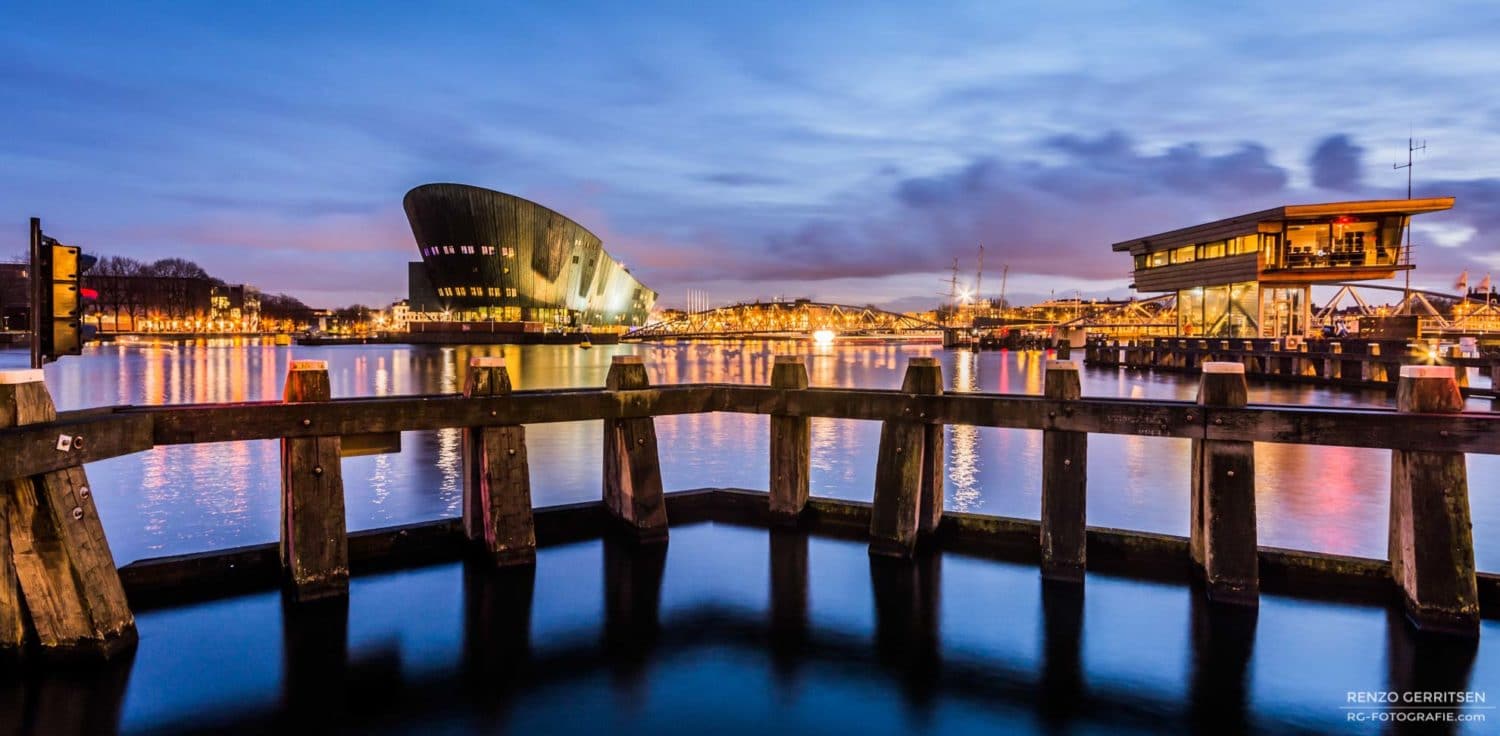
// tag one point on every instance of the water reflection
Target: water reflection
(660, 647)
(963, 440)
(189, 499)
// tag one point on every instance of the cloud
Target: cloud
(1053, 215)
(742, 179)
(1336, 164)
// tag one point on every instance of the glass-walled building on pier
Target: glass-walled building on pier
(1252, 275)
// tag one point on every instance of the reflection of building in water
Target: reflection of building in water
(963, 439)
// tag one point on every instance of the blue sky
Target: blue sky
(841, 151)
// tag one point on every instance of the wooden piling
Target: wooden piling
(54, 557)
(791, 444)
(1431, 541)
(497, 478)
(1372, 369)
(1064, 481)
(1223, 534)
(314, 538)
(908, 470)
(632, 469)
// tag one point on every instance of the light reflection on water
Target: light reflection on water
(183, 499)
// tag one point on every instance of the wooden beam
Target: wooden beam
(1064, 482)
(791, 443)
(1223, 534)
(314, 538)
(1431, 538)
(57, 560)
(904, 474)
(497, 478)
(632, 469)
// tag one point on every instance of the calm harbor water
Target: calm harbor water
(194, 498)
(726, 629)
(734, 630)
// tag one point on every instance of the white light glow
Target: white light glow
(823, 337)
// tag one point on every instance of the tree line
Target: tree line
(170, 289)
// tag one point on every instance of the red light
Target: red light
(89, 293)
(1343, 219)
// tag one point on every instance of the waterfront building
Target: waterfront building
(487, 255)
(235, 307)
(1252, 275)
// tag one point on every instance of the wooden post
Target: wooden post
(1223, 536)
(497, 479)
(1064, 481)
(909, 470)
(314, 539)
(1431, 542)
(53, 553)
(632, 471)
(790, 444)
(1372, 369)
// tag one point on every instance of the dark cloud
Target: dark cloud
(742, 179)
(1049, 217)
(1111, 161)
(1336, 164)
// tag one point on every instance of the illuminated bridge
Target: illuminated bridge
(797, 319)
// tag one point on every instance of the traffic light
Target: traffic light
(57, 303)
(60, 308)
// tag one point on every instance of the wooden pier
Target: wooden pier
(1348, 363)
(55, 564)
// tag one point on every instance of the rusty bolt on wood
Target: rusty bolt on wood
(317, 470)
(510, 451)
(1190, 416)
(307, 422)
(77, 513)
(78, 442)
(84, 492)
(1218, 420)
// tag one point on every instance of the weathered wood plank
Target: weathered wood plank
(632, 469)
(56, 548)
(902, 469)
(32, 450)
(1064, 483)
(497, 477)
(1222, 524)
(1431, 537)
(314, 539)
(791, 444)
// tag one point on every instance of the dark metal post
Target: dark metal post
(36, 292)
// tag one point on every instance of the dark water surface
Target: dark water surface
(726, 629)
(732, 630)
(182, 499)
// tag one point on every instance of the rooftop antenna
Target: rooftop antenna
(1411, 148)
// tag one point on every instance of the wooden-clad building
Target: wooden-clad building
(1251, 275)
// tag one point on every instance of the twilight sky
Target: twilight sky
(845, 152)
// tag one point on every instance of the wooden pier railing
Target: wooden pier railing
(1349, 362)
(55, 562)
